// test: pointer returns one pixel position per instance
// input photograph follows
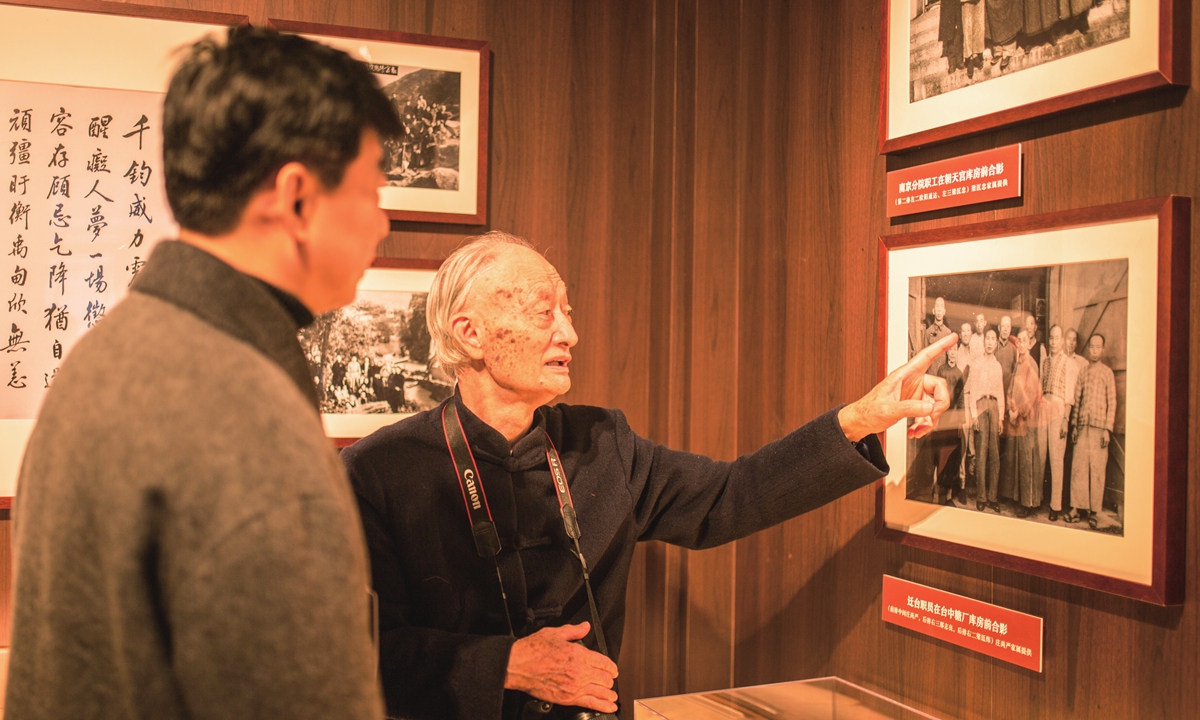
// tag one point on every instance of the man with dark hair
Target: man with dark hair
(187, 544)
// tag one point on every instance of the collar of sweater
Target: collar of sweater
(237, 304)
(529, 451)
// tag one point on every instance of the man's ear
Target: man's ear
(293, 194)
(467, 334)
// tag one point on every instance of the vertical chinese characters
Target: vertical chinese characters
(85, 205)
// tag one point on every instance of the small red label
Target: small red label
(966, 180)
(985, 628)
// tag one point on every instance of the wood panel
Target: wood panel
(808, 591)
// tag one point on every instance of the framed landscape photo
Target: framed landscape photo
(953, 68)
(1064, 451)
(438, 171)
(370, 359)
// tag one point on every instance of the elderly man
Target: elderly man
(187, 543)
(985, 389)
(1094, 416)
(1059, 375)
(481, 514)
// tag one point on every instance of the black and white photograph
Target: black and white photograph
(429, 103)
(956, 43)
(437, 172)
(1037, 381)
(372, 357)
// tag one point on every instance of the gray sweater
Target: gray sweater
(187, 545)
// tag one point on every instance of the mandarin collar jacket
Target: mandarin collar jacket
(444, 638)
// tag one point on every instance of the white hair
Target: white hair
(450, 288)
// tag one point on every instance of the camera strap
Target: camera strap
(483, 528)
(487, 540)
(571, 525)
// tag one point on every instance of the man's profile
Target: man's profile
(186, 543)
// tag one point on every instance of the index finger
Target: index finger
(923, 359)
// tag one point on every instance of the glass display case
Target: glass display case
(827, 698)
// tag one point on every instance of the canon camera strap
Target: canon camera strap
(487, 540)
(483, 528)
(571, 525)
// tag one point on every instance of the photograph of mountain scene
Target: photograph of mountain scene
(428, 102)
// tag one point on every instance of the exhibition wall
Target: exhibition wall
(705, 175)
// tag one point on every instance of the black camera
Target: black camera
(535, 709)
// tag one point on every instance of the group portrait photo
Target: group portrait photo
(1036, 426)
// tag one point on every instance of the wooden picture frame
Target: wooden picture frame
(1075, 62)
(105, 66)
(439, 172)
(365, 368)
(1074, 257)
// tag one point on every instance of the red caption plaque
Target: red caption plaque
(985, 628)
(966, 180)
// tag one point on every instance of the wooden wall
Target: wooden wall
(767, 230)
(704, 174)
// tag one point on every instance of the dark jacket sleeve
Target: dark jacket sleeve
(694, 501)
(426, 673)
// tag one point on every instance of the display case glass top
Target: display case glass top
(818, 699)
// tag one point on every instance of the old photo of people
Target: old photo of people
(1036, 426)
(373, 356)
(957, 43)
(429, 103)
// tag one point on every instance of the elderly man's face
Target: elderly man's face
(524, 320)
(1022, 343)
(1005, 328)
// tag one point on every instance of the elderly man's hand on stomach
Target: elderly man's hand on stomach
(550, 666)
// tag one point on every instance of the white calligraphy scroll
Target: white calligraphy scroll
(108, 71)
(84, 204)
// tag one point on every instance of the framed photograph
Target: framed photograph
(81, 86)
(1064, 452)
(438, 171)
(370, 359)
(953, 68)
